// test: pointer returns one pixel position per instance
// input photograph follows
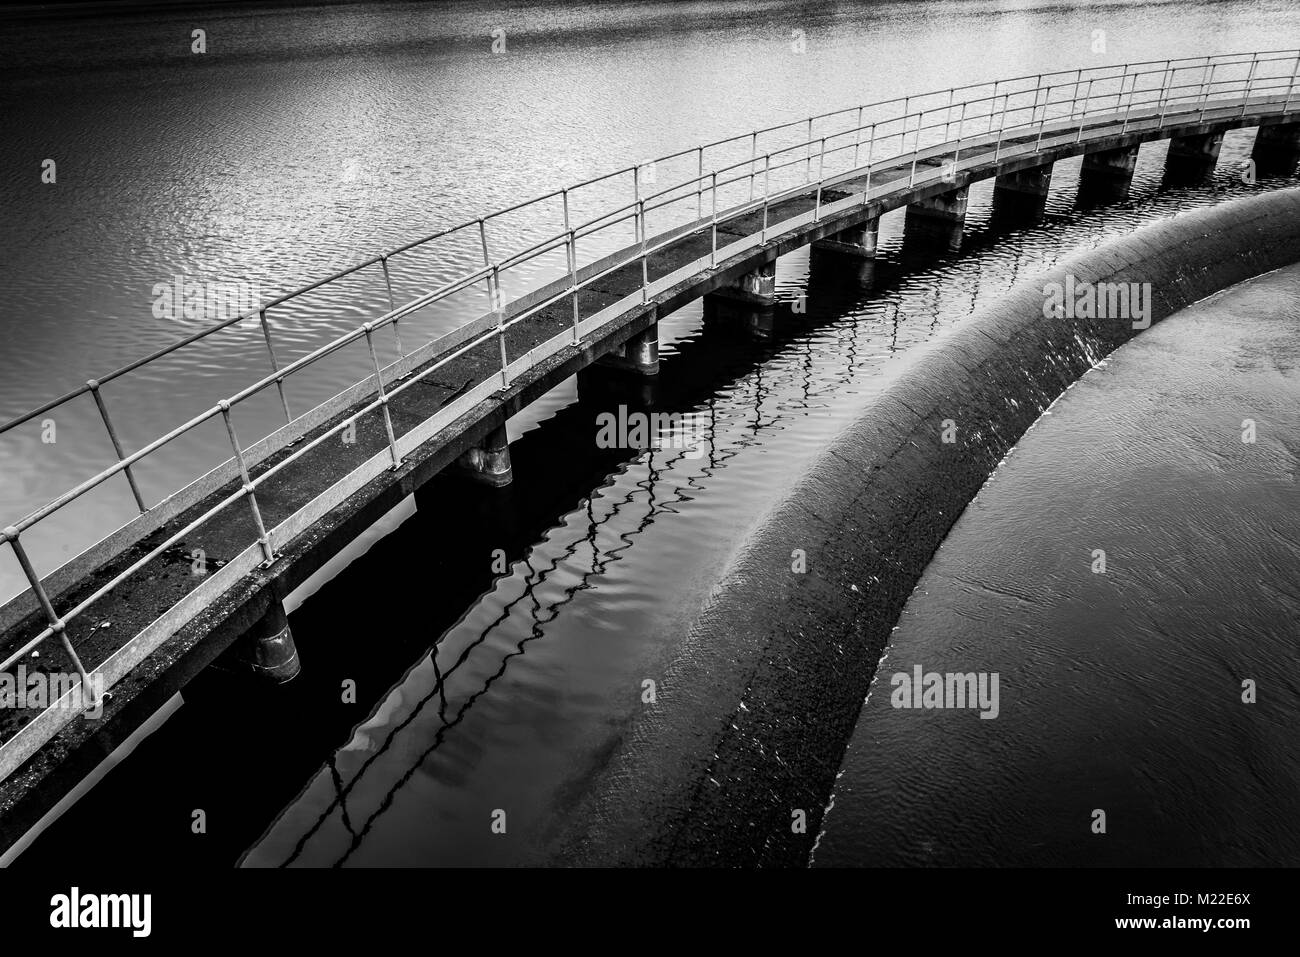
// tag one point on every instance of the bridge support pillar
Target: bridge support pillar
(488, 462)
(638, 355)
(1276, 148)
(1023, 192)
(755, 317)
(940, 217)
(758, 286)
(267, 649)
(1106, 174)
(596, 385)
(858, 241)
(1192, 157)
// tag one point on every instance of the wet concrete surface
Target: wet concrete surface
(753, 717)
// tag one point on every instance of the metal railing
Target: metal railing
(725, 179)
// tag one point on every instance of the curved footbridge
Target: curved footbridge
(128, 616)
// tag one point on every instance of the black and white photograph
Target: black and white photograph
(589, 446)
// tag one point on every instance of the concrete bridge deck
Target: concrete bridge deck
(274, 513)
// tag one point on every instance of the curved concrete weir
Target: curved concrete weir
(734, 763)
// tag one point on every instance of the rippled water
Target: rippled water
(1119, 691)
(307, 139)
(536, 672)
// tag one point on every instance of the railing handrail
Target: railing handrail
(1223, 59)
(489, 273)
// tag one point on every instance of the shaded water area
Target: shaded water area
(1119, 690)
(478, 691)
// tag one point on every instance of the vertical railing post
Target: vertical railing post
(117, 444)
(699, 183)
(857, 139)
(1200, 90)
(807, 175)
(487, 264)
(383, 396)
(1206, 87)
(767, 166)
(1250, 78)
(1132, 93)
(1074, 96)
(1083, 117)
(636, 191)
(821, 171)
(56, 624)
(1002, 125)
(572, 247)
(713, 223)
(1165, 78)
(498, 303)
(645, 266)
(264, 539)
(1290, 87)
(275, 365)
(1038, 144)
(871, 143)
(753, 158)
(392, 305)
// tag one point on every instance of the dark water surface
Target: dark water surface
(1119, 691)
(318, 134)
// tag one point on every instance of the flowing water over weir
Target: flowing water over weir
(536, 673)
(1119, 690)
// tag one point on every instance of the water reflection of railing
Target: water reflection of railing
(535, 578)
(1052, 108)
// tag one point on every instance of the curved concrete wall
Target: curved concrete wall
(708, 785)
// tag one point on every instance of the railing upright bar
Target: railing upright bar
(383, 396)
(645, 266)
(571, 247)
(1165, 83)
(767, 166)
(808, 146)
(93, 386)
(1290, 87)
(866, 189)
(713, 224)
(821, 169)
(56, 624)
(1128, 109)
(487, 263)
(1002, 124)
(392, 306)
(498, 306)
(636, 190)
(1038, 144)
(699, 183)
(275, 364)
(753, 158)
(1250, 78)
(1083, 117)
(268, 553)
(1202, 92)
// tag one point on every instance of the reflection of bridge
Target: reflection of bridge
(711, 220)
